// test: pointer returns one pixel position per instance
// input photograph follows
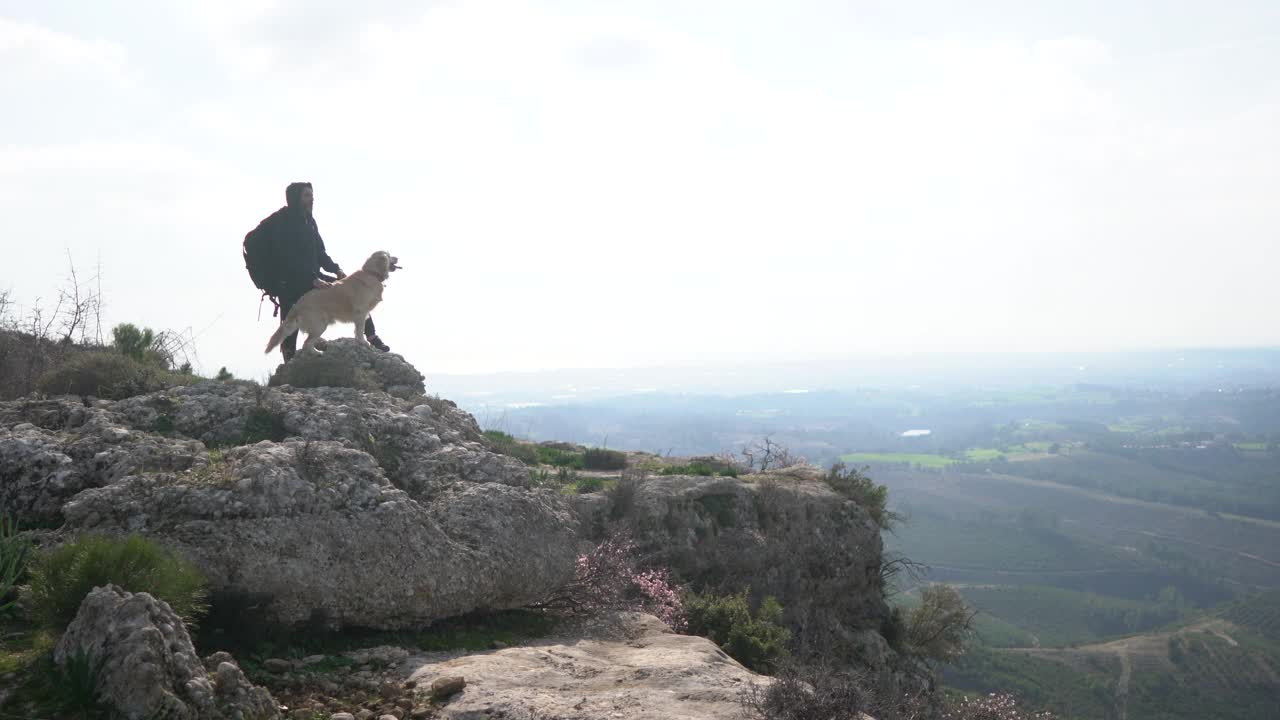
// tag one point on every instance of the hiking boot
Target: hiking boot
(375, 341)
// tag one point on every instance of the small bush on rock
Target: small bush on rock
(588, 484)
(757, 641)
(559, 458)
(602, 459)
(852, 484)
(107, 374)
(504, 444)
(608, 578)
(61, 579)
(693, 468)
(622, 497)
(262, 423)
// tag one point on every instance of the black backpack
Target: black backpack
(260, 258)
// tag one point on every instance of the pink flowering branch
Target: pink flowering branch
(992, 707)
(607, 578)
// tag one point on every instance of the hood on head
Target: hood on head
(293, 193)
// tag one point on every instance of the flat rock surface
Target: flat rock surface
(628, 666)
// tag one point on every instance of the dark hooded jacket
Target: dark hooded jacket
(299, 249)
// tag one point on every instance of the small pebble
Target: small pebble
(342, 716)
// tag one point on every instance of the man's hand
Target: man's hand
(318, 283)
(339, 273)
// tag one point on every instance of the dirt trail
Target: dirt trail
(1122, 685)
(1119, 499)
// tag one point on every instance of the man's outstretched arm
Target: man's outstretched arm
(327, 262)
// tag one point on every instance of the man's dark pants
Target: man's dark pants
(290, 344)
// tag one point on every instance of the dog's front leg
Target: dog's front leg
(360, 331)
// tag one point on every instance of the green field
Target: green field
(934, 461)
(918, 459)
(1060, 617)
(938, 540)
(1251, 446)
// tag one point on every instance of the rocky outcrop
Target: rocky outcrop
(343, 507)
(629, 667)
(52, 449)
(145, 667)
(785, 534)
(317, 532)
(41, 469)
(348, 507)
(348, 363)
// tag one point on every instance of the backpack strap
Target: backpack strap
(274, 301)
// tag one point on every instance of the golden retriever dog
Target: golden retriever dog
(349, 300)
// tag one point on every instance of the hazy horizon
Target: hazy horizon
(574, 185)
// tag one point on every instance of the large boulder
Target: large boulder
(145, 667)
(314, 531)
(348, 363)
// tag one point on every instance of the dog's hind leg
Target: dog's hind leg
(310, 344)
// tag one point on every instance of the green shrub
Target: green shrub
(15, 551)
(757, 641)
(107, 374)
(863, 490)
(506, 445)
(132, 342)
(559, 458)
(602, 459)
(61, 579)
(263, 423)
(588, 484)
(939, 626)
(224, 374)
(694, 468)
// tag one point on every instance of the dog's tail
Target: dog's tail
(287, 327)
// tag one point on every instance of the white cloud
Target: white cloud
(31, 43)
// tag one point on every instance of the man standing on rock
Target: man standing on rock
(299, 254)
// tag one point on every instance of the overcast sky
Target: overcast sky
(592, 184)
